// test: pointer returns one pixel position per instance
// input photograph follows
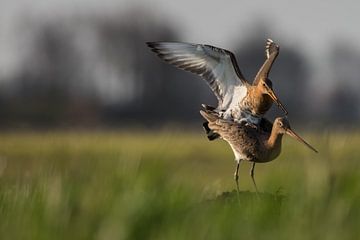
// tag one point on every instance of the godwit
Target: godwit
(254, 145)
(237, 99)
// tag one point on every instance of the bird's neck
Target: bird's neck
(274, 143)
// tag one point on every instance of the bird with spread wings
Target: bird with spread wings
(238, 100)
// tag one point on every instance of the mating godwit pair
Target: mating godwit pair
(238, 118)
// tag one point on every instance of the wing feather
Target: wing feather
(218, 67)
(271, 51)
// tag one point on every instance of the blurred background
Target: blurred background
(84, 63)
(99, 139)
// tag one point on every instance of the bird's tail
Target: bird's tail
(210, 116)
(211, 135)
(213, 125)
(208, 107)
(209, 112)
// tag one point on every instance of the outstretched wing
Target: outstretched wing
(217, 66)
(272, 51)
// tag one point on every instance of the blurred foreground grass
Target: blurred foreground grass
(172, 185)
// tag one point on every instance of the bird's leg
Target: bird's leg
(236, 175)
(252, 170)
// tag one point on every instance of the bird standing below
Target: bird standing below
(238, 100)
(254, 145)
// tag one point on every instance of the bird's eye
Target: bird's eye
(280, 124)
(264, 84)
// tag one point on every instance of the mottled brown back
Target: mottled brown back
(241, 136)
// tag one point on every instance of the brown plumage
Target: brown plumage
(256, 145)
(257, 102)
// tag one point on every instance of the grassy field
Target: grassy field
(174, 185)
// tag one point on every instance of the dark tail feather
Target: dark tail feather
(210, 133)
(206, 127)
(209, 116)
(208, 108)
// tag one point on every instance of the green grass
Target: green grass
(173, 185)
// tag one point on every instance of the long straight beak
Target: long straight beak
(297, 137)
(276, 100)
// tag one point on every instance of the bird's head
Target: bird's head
(282, 126)
(265, 87)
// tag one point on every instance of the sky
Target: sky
(311, 25)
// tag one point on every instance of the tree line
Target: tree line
(97, 71)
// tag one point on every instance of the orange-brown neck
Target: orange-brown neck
(273, 144)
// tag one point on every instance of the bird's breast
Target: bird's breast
(257, 104)
(263, 104)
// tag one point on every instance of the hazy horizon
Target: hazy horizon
(313, 26)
